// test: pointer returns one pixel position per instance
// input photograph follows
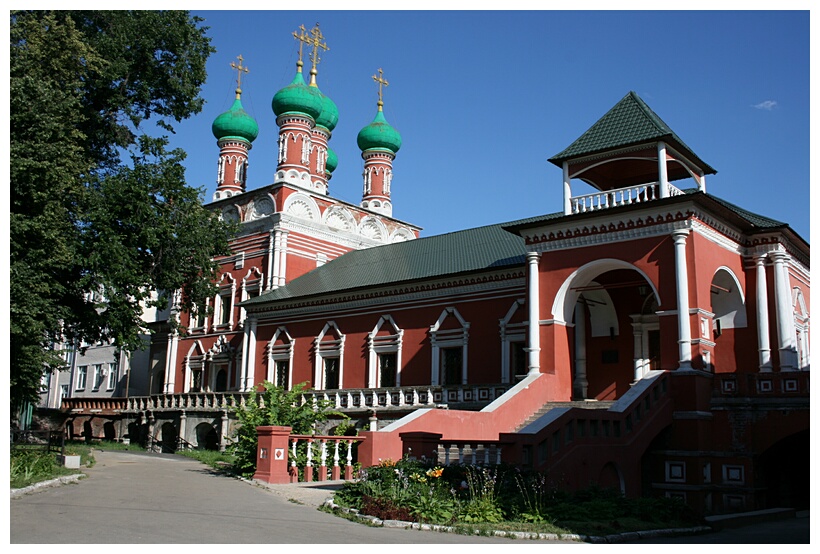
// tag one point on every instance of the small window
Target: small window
(225, 309)
(387, 369)
(451, 362)
(331, 373)
(113, 371)
(282, 367)
(82, 377)
(98, 376)
(196, 380)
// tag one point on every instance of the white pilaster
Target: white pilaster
(533, 326)
(249, 368)
(785, 315)
(682, 283)
(567, 190)
(171, 363)
(283, 257)
(762, 300)
(271, 258)
(663, 180)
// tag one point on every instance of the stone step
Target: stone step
(584, 404)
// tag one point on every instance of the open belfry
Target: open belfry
(650, 336)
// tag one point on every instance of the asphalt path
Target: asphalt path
(136, 498)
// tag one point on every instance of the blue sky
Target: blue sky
(482, 100)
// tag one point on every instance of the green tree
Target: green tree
(102, 222)
(275, 406)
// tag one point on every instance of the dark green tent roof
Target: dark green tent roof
(630, 122)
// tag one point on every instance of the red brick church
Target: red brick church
(651, 336)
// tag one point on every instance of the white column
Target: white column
(567, 191)
(533, 327)
(762, 300)
(283, 257)
(637, 347)
(785, 315)
(663, 181)
(171, 364)
(682, 283)
(580, 388)
(251, 357)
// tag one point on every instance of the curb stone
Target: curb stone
(608, 539)
(64, 480)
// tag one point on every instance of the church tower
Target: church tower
(379, 143)
(235, 132)
(306, 118)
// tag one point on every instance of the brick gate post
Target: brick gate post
(272, 455)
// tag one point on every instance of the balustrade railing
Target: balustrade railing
(321, 449)
(469, 452)
(344, 400)
(619, 197)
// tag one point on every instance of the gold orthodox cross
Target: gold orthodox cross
(316, 42)
(239, 69)
(381, 82)
(303, 38)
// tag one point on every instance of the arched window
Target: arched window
(384, 346)
(280, 358)
(329, 362)
(449, 336)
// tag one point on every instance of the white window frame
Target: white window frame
(383, 344)
(82, 377)
(511, 333)
(194, 360)
(99, 377)
(113, 373)
(280, 353)
(251, 282)
(328, 349)
(227, 289)
(448, 338)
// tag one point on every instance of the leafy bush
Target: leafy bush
(274, 406)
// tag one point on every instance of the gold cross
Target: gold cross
(302, 37)
(239, 69)
(381, 82)
(316, 42)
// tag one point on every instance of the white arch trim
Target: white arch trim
(563, 308)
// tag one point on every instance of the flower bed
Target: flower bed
(501, 497)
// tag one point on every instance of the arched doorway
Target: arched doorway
(168, 438)
(206, 437)
(615, 338)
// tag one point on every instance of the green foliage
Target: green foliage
(28, 466)
(275, 406)
(504, 498)
(101, 219)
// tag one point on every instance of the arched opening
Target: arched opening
(783, 470)
(221, 380)
(611, 478)
(615, 339)
(207, 437)
(168, 438)
(729, 314)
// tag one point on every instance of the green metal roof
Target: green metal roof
(467, 251)
(629, 122)
(461, 252)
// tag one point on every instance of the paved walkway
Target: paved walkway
(136, 498)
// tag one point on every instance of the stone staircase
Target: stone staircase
(584, 404)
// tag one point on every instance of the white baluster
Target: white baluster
(323, 455)
(310, 453)
(293, 450)
(336, 453)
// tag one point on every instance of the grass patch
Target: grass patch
(221, 461)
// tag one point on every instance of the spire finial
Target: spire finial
(239, 69)
(381, 82)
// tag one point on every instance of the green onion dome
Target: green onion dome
(332, 161)
(298, 97)
(235, 124)
(379, 135)
(330, 114)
